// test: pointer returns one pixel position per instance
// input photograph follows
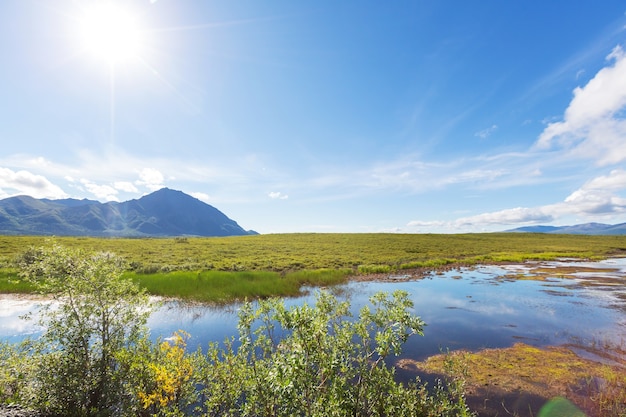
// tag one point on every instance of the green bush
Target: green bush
(98, 314)
(318, 361)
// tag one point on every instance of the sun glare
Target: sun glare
(111, 33)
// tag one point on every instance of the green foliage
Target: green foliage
(16, 366)
(318, 361)
(97, 315)
(159, 377)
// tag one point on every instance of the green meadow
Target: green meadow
(230, 268)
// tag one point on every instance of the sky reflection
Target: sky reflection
(470, 308)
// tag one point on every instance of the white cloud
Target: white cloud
(201, 196)
(25, 182)
(592, 202)
(102, 192)
(426, 224)
(151, 178)
(485, 133)
(593, 125)
(509, 216)
(616, 180)
(596, 198)
(125, 186)
(278, 195)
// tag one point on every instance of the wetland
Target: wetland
(523, 318)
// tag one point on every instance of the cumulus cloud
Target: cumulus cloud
(616, 180)
(151, 178)
(102, 192)
(594, 125)
(125, 186)
(598, 197)
(509, 216)
(426, 224)
(485, 133)
(25, 182)
(277, 195)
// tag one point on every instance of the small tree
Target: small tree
(96, 315)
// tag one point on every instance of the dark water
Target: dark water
(483, 307)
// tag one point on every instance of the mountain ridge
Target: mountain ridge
(162, 213)
(577, 229)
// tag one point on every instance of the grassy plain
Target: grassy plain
(221, 269)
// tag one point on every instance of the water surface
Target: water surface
(473, 308)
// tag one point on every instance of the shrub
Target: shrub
(98, 314)
(316, 361)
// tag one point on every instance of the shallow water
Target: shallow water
(474, 308)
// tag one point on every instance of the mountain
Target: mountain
(578, 229)
(163, 213)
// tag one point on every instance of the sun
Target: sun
(111, 33)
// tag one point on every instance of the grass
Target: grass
(298, 251)
(263, 265)
(11, 284)
(226, 286)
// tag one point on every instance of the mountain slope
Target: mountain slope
(163, 213)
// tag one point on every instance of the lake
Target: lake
(538, 303)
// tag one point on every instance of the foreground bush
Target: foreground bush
(97, 315)
(318, 361)
(95, 357)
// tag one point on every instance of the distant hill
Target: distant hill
(578, 229)
(163, 213)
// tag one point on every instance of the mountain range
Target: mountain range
(578, 229)
(162, 213)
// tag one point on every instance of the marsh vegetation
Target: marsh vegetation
(233, 268)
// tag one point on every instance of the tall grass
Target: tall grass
(227, 286)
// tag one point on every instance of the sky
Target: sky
(421, 116)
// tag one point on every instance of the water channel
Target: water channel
(538, 303)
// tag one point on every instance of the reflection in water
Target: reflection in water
(484, 307)
(13, 324)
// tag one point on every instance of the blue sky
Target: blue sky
(325, 116)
